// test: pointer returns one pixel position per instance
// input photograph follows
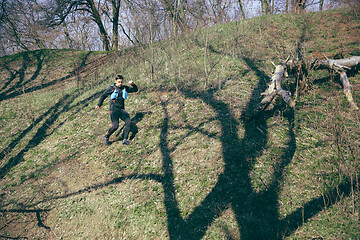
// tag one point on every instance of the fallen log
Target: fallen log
(275, 88)
(338, 65)
(347, 90)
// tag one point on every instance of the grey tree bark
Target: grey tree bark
(340, 66)
(242, 9)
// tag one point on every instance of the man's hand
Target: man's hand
(131, 83)
(97, 107)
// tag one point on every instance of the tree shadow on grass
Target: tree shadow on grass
(44, 130)
(37, 213)
(23, 86)
(233, 188)
(49, 117)
(257, 213)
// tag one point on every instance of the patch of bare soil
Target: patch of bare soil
(36, 219)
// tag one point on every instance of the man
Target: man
(118, 93)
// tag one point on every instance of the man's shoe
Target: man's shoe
(106, 141)
(126, 142)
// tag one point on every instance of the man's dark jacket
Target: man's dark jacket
(118, 103)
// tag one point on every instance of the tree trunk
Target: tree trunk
(97, 18)
(321, 5)
(347, 90)
(200, 18)
(339, 64)
(137, 34)
(174, 17)
(265, 6)
(220, 11)
(300, 6)
(242, 10)
(115, 9)
(287, 6)
(182, 12)
(67, 36)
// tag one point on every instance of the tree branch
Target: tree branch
(339, 65)
(275, 88)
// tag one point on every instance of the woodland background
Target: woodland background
(94, 25)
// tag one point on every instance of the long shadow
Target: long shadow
(82, 104)
(297, 218)
(63, 105)
(256, 213)
(36, 211)
(39, 136)
(233, 188)
(21, 73)
(175, 221)
(9, 79)
(19, 88)
(40, 57)
(133, 127)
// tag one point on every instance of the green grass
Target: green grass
(197, 169)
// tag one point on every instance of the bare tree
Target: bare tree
(115, 23)
(241, 6)
(96, 11)
(298, 6)
(93, 9)
(55, 13)
(9, 25)
(144, 20)
(176, 23)
(79, 24)
(266, 7)
(219, 11)
(22, 26)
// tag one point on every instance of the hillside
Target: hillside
(200, 166)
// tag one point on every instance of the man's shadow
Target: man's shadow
(133, 127)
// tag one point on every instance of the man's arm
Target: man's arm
(132, 88)
(105, 94)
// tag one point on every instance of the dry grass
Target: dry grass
(196, 169)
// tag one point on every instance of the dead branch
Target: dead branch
(275, 87)
(339, 65)
(347, 90)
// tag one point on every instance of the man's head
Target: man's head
(119, 80)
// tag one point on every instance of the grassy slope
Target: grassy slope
(196, 168)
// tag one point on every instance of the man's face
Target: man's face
(119, 82)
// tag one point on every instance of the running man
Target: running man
(118, 93)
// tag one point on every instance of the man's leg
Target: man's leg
(126, 118)
(115, 125)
